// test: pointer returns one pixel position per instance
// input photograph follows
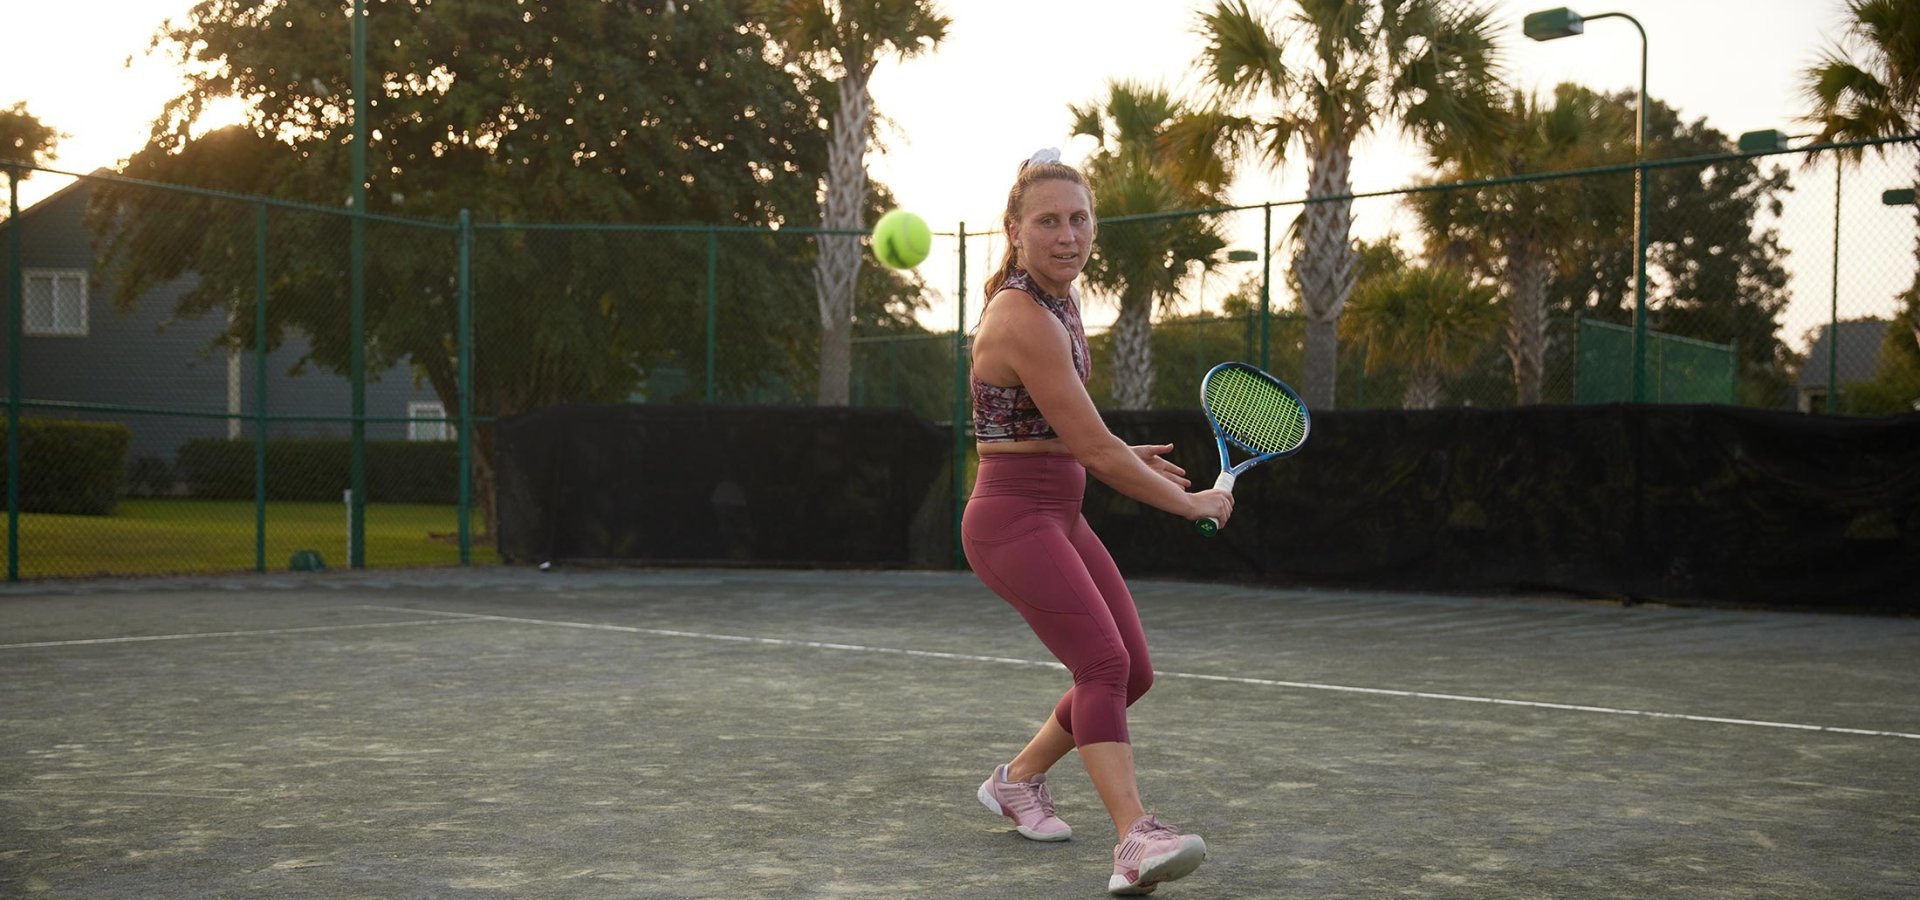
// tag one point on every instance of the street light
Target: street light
(1236, 256)
(1902, 197)
(1775, 141)
(1552, 24)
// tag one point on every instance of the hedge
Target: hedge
(69, 467)
(319, 470)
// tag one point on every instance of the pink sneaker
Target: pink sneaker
(1152, 853)
(1027, 803)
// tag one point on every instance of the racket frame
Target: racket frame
(1229, 472)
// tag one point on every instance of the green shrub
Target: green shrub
(68, 467)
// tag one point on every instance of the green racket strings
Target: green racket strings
(1254, 412)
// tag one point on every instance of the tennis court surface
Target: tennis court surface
(739, 734)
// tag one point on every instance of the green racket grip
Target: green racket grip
(1208, 525)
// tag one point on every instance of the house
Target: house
(1853, 358)
(166, 378)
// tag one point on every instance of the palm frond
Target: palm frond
(1868, 84)
(1241, 59)
(1087, 122)
(1201, 145)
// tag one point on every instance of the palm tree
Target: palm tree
(845, 39)
(1143, 262)
(1430, 321)
(1517, 232)
(1334, 71)
(1868, 86)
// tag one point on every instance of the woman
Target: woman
(1039, 438)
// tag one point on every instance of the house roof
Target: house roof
(1859, 353)
(47, 202)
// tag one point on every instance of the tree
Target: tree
(1868, 86)
(1895, 387)
(617, 113)
(1715, 267)
(847, 38)
(1430, 322)
(1427, 67)
(1142, 263)
(25, 140)
(1518, 232)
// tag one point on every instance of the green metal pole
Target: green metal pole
(16, 305)
(1833, 315)
(1640, 235)
(1361, 394)
(260, 388)
(960, 399)
(1199, 331)
(1266, 292)
(465, 303)
(357, 501)
(1246, 333)
(1733, 373)
(713, 308)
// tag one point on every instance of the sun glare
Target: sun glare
(220, 113)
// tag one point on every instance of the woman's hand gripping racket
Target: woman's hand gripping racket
(1255, 412)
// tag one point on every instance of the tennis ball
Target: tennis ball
(901, 240)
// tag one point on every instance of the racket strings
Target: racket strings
(1254, 413)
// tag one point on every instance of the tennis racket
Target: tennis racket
(1254, 411)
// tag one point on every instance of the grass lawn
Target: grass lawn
(155, 537)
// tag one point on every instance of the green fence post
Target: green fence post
(1266, 292)
(1733, 372)
(959, 411)
(713, 308)
(260, 388)
(1833, 316)
(1654, 359)
(1361, 382)
(1246, 338)
(1199, 332)
(357, 358)
(16, 305)
(1579, 358)
(465, 315)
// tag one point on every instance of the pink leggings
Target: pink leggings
(1026, 539)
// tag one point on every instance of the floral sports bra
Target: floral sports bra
(1002, 414)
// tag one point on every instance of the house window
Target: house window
(426, 421)
(56, 302)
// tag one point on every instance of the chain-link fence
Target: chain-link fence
(196, 380)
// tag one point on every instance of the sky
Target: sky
(960, 119)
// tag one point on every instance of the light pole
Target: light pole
(1903, 197)
(1551, 24)
(1240, 256)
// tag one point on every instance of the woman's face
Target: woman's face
(1055, 233)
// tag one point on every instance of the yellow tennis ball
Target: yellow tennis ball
(901, 240)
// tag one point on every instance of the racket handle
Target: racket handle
(1208, 525)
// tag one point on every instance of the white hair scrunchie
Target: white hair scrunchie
(1043, 155)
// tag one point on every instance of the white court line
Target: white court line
(1260, 682)
(190, 636)
(735, 638)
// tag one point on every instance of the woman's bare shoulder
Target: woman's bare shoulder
(1014, 304)
(1014, 316)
